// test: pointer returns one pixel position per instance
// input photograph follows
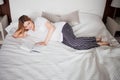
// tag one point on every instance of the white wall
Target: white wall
(35, 7)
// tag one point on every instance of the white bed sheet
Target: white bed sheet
(59, 62)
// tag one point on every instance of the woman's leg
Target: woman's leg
(87, 39)
(91, 38)
(99, 39)
(103, 43)
(77, 43)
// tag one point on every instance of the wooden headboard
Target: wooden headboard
(5, 10)
(109, 11)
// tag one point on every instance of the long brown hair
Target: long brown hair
(21, 21)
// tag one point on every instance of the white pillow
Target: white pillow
(71, 18)
(12, 27)
(57, 34)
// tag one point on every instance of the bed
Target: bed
(57, 61)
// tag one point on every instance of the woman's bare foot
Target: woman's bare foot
(103, 43)
(98, 39)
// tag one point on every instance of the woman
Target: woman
(43, 29)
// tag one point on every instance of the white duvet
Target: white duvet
(57, 61)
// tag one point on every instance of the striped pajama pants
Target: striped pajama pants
(80, 43)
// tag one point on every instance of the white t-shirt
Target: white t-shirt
(41, 30)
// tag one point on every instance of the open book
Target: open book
(31, 47)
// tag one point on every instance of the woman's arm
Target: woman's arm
(18, 34)
(51, 29)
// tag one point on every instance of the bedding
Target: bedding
(57, 61)
(10, 29)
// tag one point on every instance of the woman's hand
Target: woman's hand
(41, 43)
(19, 36)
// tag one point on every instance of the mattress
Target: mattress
(57, 61)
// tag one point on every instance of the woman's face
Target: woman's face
(28, 25)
